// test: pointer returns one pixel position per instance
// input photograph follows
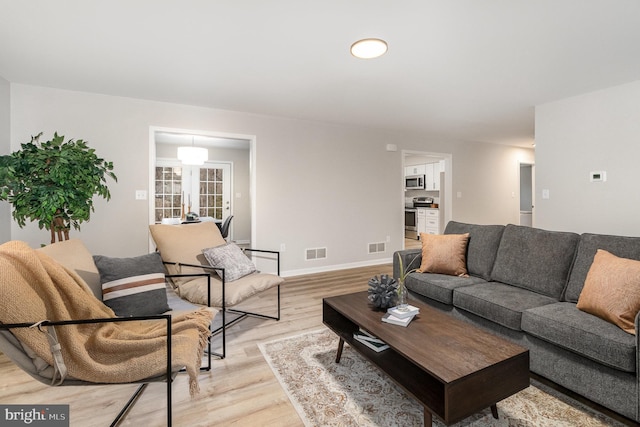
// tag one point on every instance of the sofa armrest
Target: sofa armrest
(411, 259)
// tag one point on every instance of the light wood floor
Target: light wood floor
(239, 391)
(412, 244)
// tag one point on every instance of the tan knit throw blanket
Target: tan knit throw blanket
(34, 287)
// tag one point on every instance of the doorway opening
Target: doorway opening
(435, 171)
(223, 186)
(526, 194)
(203, 190)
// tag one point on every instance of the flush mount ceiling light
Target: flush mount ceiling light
(193, 155)
(369, 48)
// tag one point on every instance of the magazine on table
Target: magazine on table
(370, 341)
(390, 318)
(410, 312)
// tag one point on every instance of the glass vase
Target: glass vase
(403, 294)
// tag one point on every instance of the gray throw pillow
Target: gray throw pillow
(230, 257)
(133, 286)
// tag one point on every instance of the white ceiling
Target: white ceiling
(456, 69)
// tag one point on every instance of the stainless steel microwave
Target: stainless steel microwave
(414, 182)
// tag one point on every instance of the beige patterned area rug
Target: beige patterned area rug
(355, 393)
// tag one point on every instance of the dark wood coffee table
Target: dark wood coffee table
(452, 367)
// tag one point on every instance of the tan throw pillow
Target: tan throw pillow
(612, 290)
(444, 254)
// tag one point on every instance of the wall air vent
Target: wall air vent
(315, 253)
(377, 247)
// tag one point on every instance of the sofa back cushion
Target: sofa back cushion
(74, 255)
(482, 246)
(184, 243)
(535, 259)
(623, 247)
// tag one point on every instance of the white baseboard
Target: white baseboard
(241, 242)
(336, 267)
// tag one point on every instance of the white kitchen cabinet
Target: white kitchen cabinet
(415, 170)
(428, 221)
(431, 171)
(421, 221)
(432, 177)
(428, 177)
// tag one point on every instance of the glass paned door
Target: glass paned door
(205, 190)
(212, 194)
(168, 192)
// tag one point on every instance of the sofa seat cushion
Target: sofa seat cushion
(500, 303)
(438, 287)
(237, 291)
(535, 259)
(179, 305)
(564, 325)
(482, 246)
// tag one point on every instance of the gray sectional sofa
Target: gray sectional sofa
(523, 285)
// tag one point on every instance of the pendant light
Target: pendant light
(192, 155)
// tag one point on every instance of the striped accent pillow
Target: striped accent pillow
(133, 286)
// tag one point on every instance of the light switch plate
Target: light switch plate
(598, 176)
(141, 194)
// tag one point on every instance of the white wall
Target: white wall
(317, 185)
(487, 177)
(598, 131)
(5, 148)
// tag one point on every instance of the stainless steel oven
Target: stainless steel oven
(410, 223)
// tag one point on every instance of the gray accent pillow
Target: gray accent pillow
(230, 257)
(133, 286)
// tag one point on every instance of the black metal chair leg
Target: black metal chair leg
(129, 404)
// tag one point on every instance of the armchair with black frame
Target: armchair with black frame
(53, 326)
(233, 277)
(51, 375)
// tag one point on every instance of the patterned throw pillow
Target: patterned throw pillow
(230, 257)
(133, 286)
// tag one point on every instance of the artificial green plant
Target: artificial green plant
(53, 183)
